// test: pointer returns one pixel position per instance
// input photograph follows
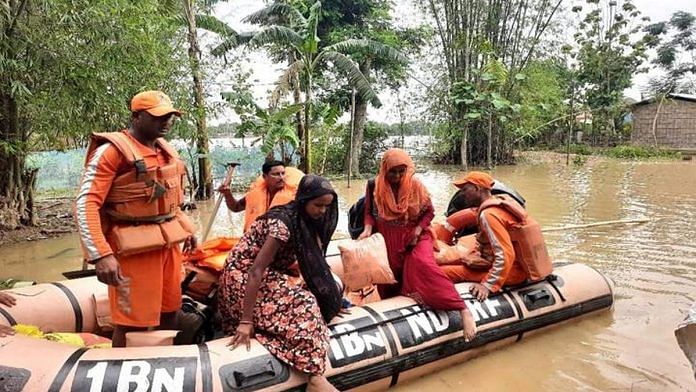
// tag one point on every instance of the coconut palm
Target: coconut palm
(296, 35)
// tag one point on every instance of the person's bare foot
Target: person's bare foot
(320, 384)
(469, 325)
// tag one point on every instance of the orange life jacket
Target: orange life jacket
(142, 206)
(212, 253)
(527, 239)
(454, 223)
(256, 199)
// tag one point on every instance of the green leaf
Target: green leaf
(276, 35)
(276, 10)
(370, 47)
(215, 25)
(473, 115)
(499, 103)
(356, 78)
(520, 76)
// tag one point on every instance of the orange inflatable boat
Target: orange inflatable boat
(375, 346)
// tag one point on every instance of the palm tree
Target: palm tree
(196, 14)
(297, 36)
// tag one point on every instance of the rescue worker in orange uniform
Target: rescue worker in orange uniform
(276, 186)
(493, 241)
(129, 218)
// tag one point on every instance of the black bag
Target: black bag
(195, 322)
(356, 214)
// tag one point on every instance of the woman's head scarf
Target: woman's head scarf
(412, 195)
(311, 238)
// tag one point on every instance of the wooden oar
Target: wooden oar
(225, 183)
(603, 223)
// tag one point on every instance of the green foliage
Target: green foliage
(675, 44)
(487, 46)
(373, 144)
(272, 124)
(638, 152)
(577, 149)
(579, 160)
(611, 46)
(295, 34)
(541, 95)
(74, 65)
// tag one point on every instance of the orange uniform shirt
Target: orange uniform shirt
(494, 223)
(102, 168)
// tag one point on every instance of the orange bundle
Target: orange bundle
(365, 262)
(213, 253)
(464, 251)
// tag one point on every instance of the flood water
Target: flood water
(653, 265)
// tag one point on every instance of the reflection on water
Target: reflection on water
(652, 264)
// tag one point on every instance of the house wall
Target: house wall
(675, 128)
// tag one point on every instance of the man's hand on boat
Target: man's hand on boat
(479, 291)
(109, 271)
(9, 301)
(242, 336)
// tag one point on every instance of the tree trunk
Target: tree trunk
(297, 99)
(359, 124)
(16, 184)
(489, 143)
(654, 123)
(205, 178)
(463, 149)
(307, 142)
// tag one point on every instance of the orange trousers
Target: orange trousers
(153, 286)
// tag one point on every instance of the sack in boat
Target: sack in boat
(465, 251)
(365, 262)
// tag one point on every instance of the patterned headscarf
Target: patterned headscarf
(412, 194)
(307, 235)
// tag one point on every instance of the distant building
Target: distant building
(675, 126)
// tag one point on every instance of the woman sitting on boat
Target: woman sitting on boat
(404, 212)
(258, 301)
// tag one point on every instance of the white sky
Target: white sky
(265, 73)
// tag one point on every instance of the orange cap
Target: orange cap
(484, 180)
(156, 103)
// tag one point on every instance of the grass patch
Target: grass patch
(638, 152)
(577, 149)
(622, 152)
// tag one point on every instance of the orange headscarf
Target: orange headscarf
(412, 194)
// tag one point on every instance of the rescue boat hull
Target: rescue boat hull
(375, 346)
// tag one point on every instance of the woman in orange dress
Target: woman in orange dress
(404, 212)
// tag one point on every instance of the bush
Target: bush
(577, 149)
(638, 152)
(374, 140)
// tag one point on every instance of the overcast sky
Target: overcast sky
(264, 73)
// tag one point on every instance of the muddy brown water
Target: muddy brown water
(652, 264)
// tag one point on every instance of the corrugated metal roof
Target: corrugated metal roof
(684, 97)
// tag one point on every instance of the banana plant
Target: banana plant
(272, 125)
(297, 35)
